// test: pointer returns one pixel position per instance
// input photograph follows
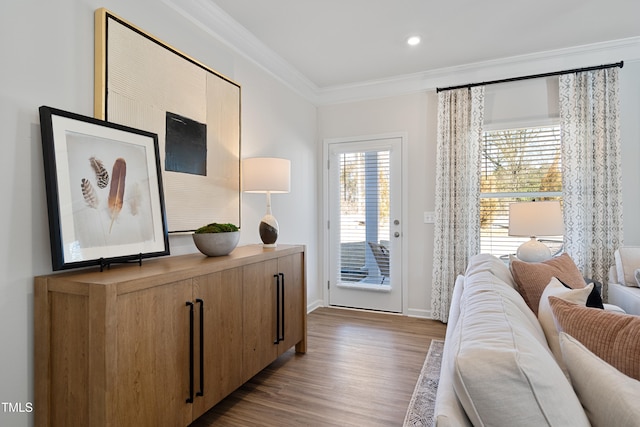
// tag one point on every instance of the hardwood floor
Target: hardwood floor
(360, 369)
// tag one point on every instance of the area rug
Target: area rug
(423, 400)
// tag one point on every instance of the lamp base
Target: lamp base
(269, 230)
(533, 251)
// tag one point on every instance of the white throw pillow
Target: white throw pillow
(545, 315)
(504, 373)
(609, 397)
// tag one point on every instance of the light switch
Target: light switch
(429, 217)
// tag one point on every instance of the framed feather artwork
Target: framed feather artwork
(104, 191)
(142, 82)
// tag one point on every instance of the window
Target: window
(517, 165)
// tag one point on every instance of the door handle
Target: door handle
(281, 338)
(277, 340)
(396, 234)
(190, 398)
(201, 302)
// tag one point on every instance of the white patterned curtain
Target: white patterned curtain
(457, 216)
(591, 176)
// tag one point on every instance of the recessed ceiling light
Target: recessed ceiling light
(413, 40)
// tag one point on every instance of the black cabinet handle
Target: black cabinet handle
(277, 340)
(201, 302)
(190, 398)
(281, 338)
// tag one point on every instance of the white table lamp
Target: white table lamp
(267, 175)
(534, 219)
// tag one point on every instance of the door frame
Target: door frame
(324, 220)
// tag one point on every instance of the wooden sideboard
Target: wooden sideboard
(161, 343)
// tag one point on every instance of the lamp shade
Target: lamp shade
(535, 219)
(266, 174)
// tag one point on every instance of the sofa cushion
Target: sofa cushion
(609, 397)
(504, 373)
(489, 263)
(533, 277)
(627, 260)
(626, 297)
(545, 315)
(485, 280)
(614, 308)
(447, 411)
(613, 337)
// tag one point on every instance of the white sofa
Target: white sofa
(623, 289)
(497, 368)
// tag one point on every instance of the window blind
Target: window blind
(516, 165)
(364, 211)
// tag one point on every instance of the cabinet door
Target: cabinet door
(259, 316)
(152, 382)
(218, 297)
(294, 307)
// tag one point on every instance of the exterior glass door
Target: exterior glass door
(364, 228)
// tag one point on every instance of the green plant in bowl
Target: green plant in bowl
(216, 239)
(214, 227)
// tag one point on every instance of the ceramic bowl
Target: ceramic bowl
(216, 244)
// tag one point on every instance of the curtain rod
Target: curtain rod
(533, 76)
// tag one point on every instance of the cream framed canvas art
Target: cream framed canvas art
(144, 83)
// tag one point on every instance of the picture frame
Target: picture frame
(104, 191)
(142, 82)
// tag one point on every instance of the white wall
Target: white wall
(630, 141)
(47, 59)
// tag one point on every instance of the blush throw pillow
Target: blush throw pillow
(609, 397)
(613, 337)
(533, 277)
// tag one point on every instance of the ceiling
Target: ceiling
(333, 43)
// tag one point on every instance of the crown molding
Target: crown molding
(627, 50)
(209, 17)
(220, 25)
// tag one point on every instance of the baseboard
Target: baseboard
(313, 305)
(412, 312)
(416, 312)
